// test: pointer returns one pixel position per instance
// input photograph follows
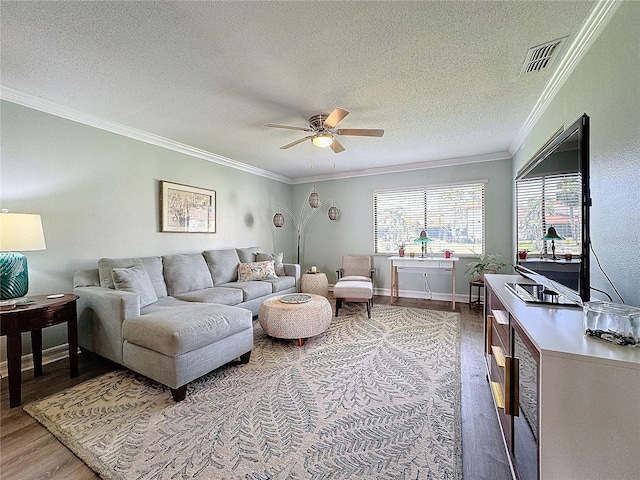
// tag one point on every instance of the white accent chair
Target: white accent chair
(355, 282)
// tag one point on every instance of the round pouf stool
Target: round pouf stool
(304, 317)
(315, 283)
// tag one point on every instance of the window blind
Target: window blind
(451, 215)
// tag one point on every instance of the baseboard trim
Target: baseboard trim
(49, 355)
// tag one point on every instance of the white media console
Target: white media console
(568, 405)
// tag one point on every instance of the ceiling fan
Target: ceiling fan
(324, 131)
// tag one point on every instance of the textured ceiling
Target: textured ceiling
(441, 78)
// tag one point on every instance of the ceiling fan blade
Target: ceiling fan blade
(288, 145)
(274, 125)
(361, 132)
(335, 117)
(336, 146)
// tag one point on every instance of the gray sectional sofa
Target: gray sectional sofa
(177, 317)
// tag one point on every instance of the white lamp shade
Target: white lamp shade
(21, 232)
(322, 140)
(278, 220)
(314, 200)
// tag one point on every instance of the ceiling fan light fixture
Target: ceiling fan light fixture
(322, 140)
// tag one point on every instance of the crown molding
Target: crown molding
(31, 101)
(409, 167)
(593, 26)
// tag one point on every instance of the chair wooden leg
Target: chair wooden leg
(368, 309)
(179, 393)
(338, 305)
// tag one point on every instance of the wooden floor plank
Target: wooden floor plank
(28, 451)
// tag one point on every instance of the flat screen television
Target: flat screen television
(552, 190)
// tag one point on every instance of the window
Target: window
(451, 215)
(550, 201)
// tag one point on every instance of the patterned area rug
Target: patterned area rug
(368, 399)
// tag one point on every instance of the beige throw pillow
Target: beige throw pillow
(256, 271)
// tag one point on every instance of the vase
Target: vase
(401, 252)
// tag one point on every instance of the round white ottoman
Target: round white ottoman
(295, 320)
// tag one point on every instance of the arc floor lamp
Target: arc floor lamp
(313, 200)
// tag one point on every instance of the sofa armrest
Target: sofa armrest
(293, 270)
(101, 312)
(89, 277)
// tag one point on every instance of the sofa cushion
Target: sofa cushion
(256, 271)
(282, 283)
(251, 290)
(222, 295)
(355, 278)
(153, 266)
(185, 273)
(163, 302)
(277, 261)
(247, 254)
(176, 330)
(135, 280)
(223, 265)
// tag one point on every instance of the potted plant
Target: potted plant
(488, 263)
(522, 254)
(401, 247)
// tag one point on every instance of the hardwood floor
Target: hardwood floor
(29, 452)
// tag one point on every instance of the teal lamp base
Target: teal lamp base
(14, 277)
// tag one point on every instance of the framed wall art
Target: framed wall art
(187, 209)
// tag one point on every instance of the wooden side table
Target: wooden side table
(315, 283)
(479, 284)
(33, 317)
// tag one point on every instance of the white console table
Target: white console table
(437, 265)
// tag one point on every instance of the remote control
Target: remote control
(57, 295)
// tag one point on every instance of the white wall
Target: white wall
(98, 195)
(606, 86)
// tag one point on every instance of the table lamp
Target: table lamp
(423, 239)
(553, 236)
(18, 232)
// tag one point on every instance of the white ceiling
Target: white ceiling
(441, 78)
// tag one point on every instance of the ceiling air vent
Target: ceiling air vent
(542, 56)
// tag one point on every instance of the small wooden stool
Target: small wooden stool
(480, 285)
